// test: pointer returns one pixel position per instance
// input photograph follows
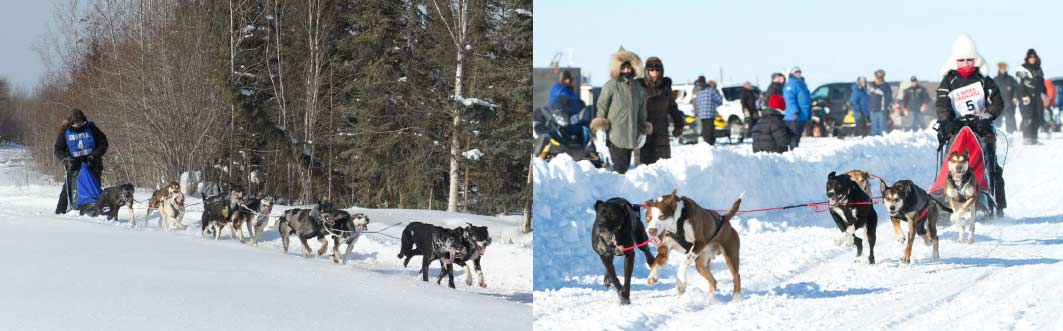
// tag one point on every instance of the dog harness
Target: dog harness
(960, 188)
(679, 235)
(80, 143)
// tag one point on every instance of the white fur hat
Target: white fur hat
(963, 48)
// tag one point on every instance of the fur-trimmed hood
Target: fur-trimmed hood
(622, 56)
(963, 48)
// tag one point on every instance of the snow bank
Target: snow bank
(565, 191)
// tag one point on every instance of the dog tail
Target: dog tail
(734, 208)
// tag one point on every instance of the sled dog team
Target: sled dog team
(462, 245)
(675, 223)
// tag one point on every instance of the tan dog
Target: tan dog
(961, 191)
(172, 211)
(862, 179)
(161, 194)
(678, 223)
(907, 202)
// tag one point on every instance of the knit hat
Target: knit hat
(963, 48)
(795, 69)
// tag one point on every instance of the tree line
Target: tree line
(385, 104)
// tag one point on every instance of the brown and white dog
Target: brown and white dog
(675, 222)
(862, 179)
(961, 191)
(907, 202)
(172, 211)
(161, 194)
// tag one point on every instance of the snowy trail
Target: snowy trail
(793, 275)
(71, 272)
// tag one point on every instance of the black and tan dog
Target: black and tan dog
(219, 211)
(432, 243)
(907, 202)
(853, 212)
(961, 191)
(679, 223)
(114, 198)
(617, 231)
(161, 195)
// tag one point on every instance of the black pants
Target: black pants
(1008, 117)
(1032, 119)
(997, 175)
(752, 122)
(621, 158)
(796, 128)
(651, 153)
(708, 130)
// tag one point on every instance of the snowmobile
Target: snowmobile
(557, 131)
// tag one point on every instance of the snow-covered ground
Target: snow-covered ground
(793, 274)
(71, 272)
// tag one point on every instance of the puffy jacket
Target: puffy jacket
(562, 97)
(748, 98)
(953, 80)
(859, 101)
(798, 100)
(706, 102)
(770, 134)
(622, 101)
(661, 109)
(879, 97)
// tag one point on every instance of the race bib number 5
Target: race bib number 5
(968, 100)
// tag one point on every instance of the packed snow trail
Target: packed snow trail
(792, 273)
(66, 272)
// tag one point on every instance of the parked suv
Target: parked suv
(730, 121)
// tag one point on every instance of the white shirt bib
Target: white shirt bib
(968, 100)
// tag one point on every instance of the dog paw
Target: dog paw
(900, 240)
(906, 259)
(482, 284)
(970, 240)
(680, 289)
(625, 301)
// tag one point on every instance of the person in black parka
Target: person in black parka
(79, 142)
(770, 133)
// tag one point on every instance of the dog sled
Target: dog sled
(981, 164)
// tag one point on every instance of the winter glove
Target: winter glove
(678, 131)
(985, 115)
(1025, 101)
(67, 163)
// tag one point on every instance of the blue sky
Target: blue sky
(830, 40)
(22, 24)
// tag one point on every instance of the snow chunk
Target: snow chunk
(474, 154)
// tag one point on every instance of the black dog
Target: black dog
(852, 209)
(114, 198)
(432, 243)
(617, 230)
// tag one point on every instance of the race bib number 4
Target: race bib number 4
(968, 100)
